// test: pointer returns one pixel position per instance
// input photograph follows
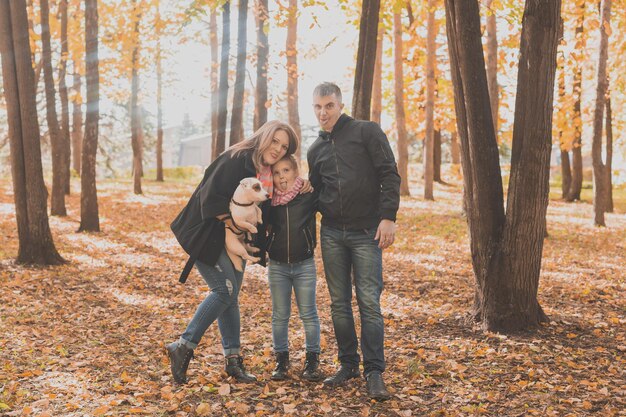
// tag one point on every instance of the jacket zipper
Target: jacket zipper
(332, 140)
(288, 237)
(306, 237)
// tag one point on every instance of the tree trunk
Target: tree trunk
(377, 88)
(609, 155)
(89, 219)
(159, 70)
(365, 60)
(65, 107)
(429, 140)
(437, 157)
(57, 205)
(566, 171)
(263, 52)
(492, 62)
(529, 184)
(292, 71)
(222, 110)
(403, 151)
(577, 156)
(215, 65)
(454, 149)
(77, 122)
(236, 120)
(135, 108)
(29, 191)
(506, 251)
(600, 182)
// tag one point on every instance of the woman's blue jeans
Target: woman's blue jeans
(344, 251)
(221, 304)
(302, 277)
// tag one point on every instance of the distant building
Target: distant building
(195, 150)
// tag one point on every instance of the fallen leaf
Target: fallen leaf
(100, 410)
(224, 389)
(203, 409)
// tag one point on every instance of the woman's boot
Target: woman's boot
(282, 366)
(311, 367)
(235, 368)
(179, 355)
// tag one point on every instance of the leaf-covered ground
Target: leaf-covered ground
(87, 338)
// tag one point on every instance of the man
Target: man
(352, 167)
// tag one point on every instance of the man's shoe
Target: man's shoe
(311, 367)
(234, 367)
(376, 386)
(282, 366)
(179, 355)
(343, 374)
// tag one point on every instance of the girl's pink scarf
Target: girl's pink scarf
(281, 198)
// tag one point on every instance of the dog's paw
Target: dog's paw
(253, 229)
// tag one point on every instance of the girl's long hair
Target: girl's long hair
(262, 139)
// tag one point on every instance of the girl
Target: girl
(291, 244)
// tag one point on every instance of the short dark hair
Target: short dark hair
(326, 89)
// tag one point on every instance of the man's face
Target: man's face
(327, 110)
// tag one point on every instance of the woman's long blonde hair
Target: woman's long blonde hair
(262, 139)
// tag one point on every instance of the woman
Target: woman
(291, 247)
(199, 229)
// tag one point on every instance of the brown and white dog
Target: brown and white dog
(246, 214)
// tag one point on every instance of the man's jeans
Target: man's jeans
(302, 277)
(222, 303)
(343, 251)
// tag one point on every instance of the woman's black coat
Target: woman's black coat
(196, 227)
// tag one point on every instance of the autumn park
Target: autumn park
(437, 192)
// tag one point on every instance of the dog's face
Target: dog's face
(253, 190)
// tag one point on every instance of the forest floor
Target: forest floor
(87, 338)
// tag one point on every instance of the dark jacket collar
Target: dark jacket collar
(341, 122)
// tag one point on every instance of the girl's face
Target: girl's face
(284, 175)
(277, 149)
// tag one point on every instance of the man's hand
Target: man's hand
(386, 233)
(306, 187)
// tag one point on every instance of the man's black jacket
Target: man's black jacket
(292, 229)
(355, 172)
(196, 227)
